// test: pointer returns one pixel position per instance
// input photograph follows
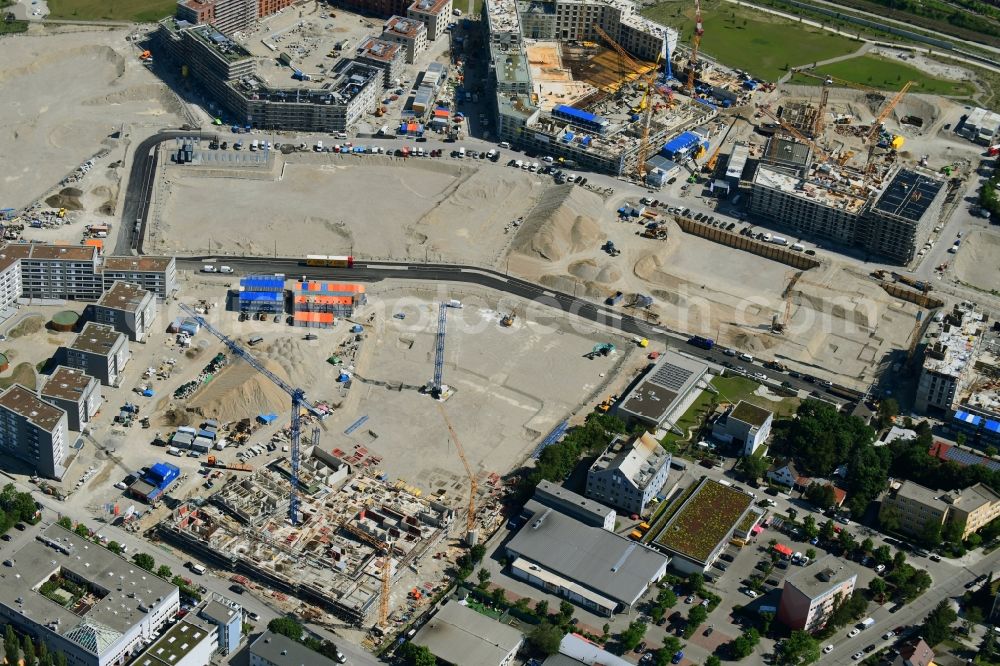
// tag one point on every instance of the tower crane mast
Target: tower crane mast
(471, 534)
(299, 403)
(699, 30)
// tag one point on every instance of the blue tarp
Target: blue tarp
(567, 137)
(261, 296)
(148, 393)
(684, 141)
(267, 418)
(576, 114)
(587, 140)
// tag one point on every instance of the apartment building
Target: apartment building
(33, 431)
(914, 508)
(128, 308)
(227, 615)
(10, 278)
(76, 393)
(810, 593)
(100, 351)
(409, 33)
(228, 16)
(380, 8)
(434, 14)
(61, 272)
(386, 56)
(155, 274)
(627, 475)
(950, 346)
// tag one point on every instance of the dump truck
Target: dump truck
(218, 464)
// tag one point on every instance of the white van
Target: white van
(174, 451)
(208, 268)
(743, 356)
(197, 569)
(253, 145)
(505, 144)
(225, 269)
(461, 152)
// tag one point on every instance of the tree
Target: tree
(28, 647)
(753, 467)
(744, 644)
(713, 661)
(867, 545)
(11, 646)
(565, 611)
(65, 522)
(800, 649)
(696, 616)
(793, 514)
(973, 616)
(888, 410)
(546, 637)
(821, 495)
(82, 530)
(899, 559)
(542, 609)
(847, 541)
(632, 635)
(164, 572)
(877, 587)
(60, 659)
(811, 554)
(286, 626)
(477, 553)
(937, 624)
(672, 645)
(930, 536)
(826, 531)
(144, 561)
(809, 525)
(417, 655)
(115, 547)
(484, 577)
(882, 555)
(821, 438)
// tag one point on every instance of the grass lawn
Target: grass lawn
(692, 418)
(759, 43)
(141, 11)
(24, 374)
(889, 74)
(11, 27)
(733, 389)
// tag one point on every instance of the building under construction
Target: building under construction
(594, 122)
(889, 212)
(334, 558)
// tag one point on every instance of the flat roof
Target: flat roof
(13, 252)
(706, 518)
(737, 160)
(96, 339)
(67, 384)
(130, 591)
(429, 6)
(638, 460)
(138, 264)
(610, 564)
(219, 612)
(45, 252)
(459, 635)
(914, 491)
(177, 643)
(554, 495)
(786, 151)
(222, 45)
(663, 387)
(283, 651)
(402, 25)
(908, 195)
(820, 577)
(749, 413)
(575, 649)
(25, 403)
(379, 50)
(124, 296)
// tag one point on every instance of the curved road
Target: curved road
(138, 194)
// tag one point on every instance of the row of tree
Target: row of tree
(29, 652)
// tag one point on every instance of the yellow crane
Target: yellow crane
(648, 75)
(820, 152)
(872, 137)
(828, 82)
(385, 571)
(699, 30)
(471, 533)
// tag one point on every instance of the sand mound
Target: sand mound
(27, 326)
(978, 261)
(589, 270)
(559, 225)
(68, 198)
(239, 392)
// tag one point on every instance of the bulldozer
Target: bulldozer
(604, 406)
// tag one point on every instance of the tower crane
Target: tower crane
(795, 133)
(699, 30)
(471, 533)
(299, 403)
(872, 136)
(436, 386)
(824, 98)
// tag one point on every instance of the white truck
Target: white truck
(461, 152)
(225, 269)
(865, 623)
(209, 268)
(778, 240)
(454, 304)
(318, 147)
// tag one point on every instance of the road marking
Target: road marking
(660, 331)
(549, 293)
(380, 267)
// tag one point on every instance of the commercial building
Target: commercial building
(272, 649)
(664, 387)
(227, 616)
(628, 475)
(458, 635)
(820, 200)
(744, 424)
(409, 33)
(33, 431)
(434, 14)
(75, 392)
(589, 512)
(914, 508)
(811, 593)
(100, 351)
(111, 611)
(229, 75)
(980, 126)
(189, 642)
(590, 566)
(706, 517)
(387, 56)
(575, 650)
(128, 308)
(155, 274)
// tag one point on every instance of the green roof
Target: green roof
(707, 518)
(751, 414)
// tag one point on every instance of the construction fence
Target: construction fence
(771, 251)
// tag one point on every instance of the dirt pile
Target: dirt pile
(560, 225)
(239, 392)
(68, 198)
(978, 260)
